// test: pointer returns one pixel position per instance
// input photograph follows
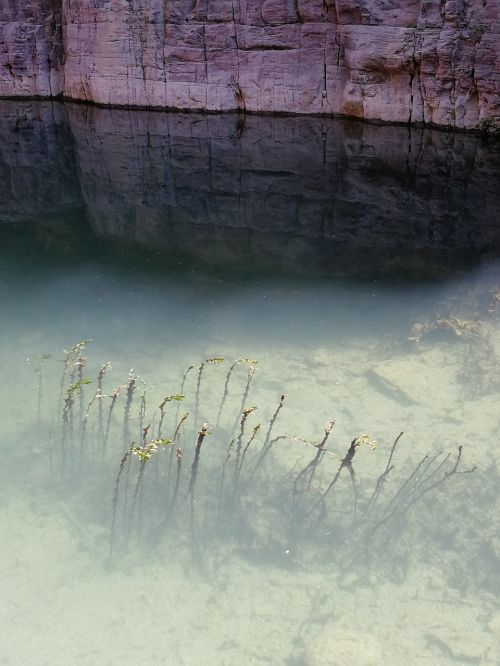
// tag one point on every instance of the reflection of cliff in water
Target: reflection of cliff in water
(306, 194)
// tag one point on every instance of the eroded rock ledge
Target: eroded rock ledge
(411, 61)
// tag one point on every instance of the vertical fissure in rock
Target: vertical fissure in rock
(300, 18)
(324, 74)
(54, 27)
(414, 67)
(339, 50)
(235, 81)
(410, 115)
(205, 54)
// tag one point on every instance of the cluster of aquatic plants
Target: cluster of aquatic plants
(165, 472)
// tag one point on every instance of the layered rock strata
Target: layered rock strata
(430, 61)
(299, 194)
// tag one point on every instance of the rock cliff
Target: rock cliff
(296, 194)
(432, 61)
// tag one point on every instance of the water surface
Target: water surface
(311, 249)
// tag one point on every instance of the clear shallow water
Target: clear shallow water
(263, 574)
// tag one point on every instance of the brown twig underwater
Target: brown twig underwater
(345, 463)
(182, 391)
(175, 441)
(203, 432)
(239, 441)
(216, 360)
(68, 420)
(311, 467)
(114, 397)
(144, 453)
(131, 387)
(70, 356)
(250, 376)
(39, 374)
(383, 477)
(420, 488)
(105, 368)
(114, 502)
(266, 447)
(178, 397)
(225, 393)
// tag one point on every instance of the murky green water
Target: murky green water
(255, 551)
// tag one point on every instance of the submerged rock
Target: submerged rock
(464, 645)
(338, 646)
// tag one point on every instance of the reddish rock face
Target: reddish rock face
(31, 49)
(429, 61)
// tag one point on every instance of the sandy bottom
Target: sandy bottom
(63, 602)
(62, 606)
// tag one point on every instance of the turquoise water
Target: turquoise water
(254, 558)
